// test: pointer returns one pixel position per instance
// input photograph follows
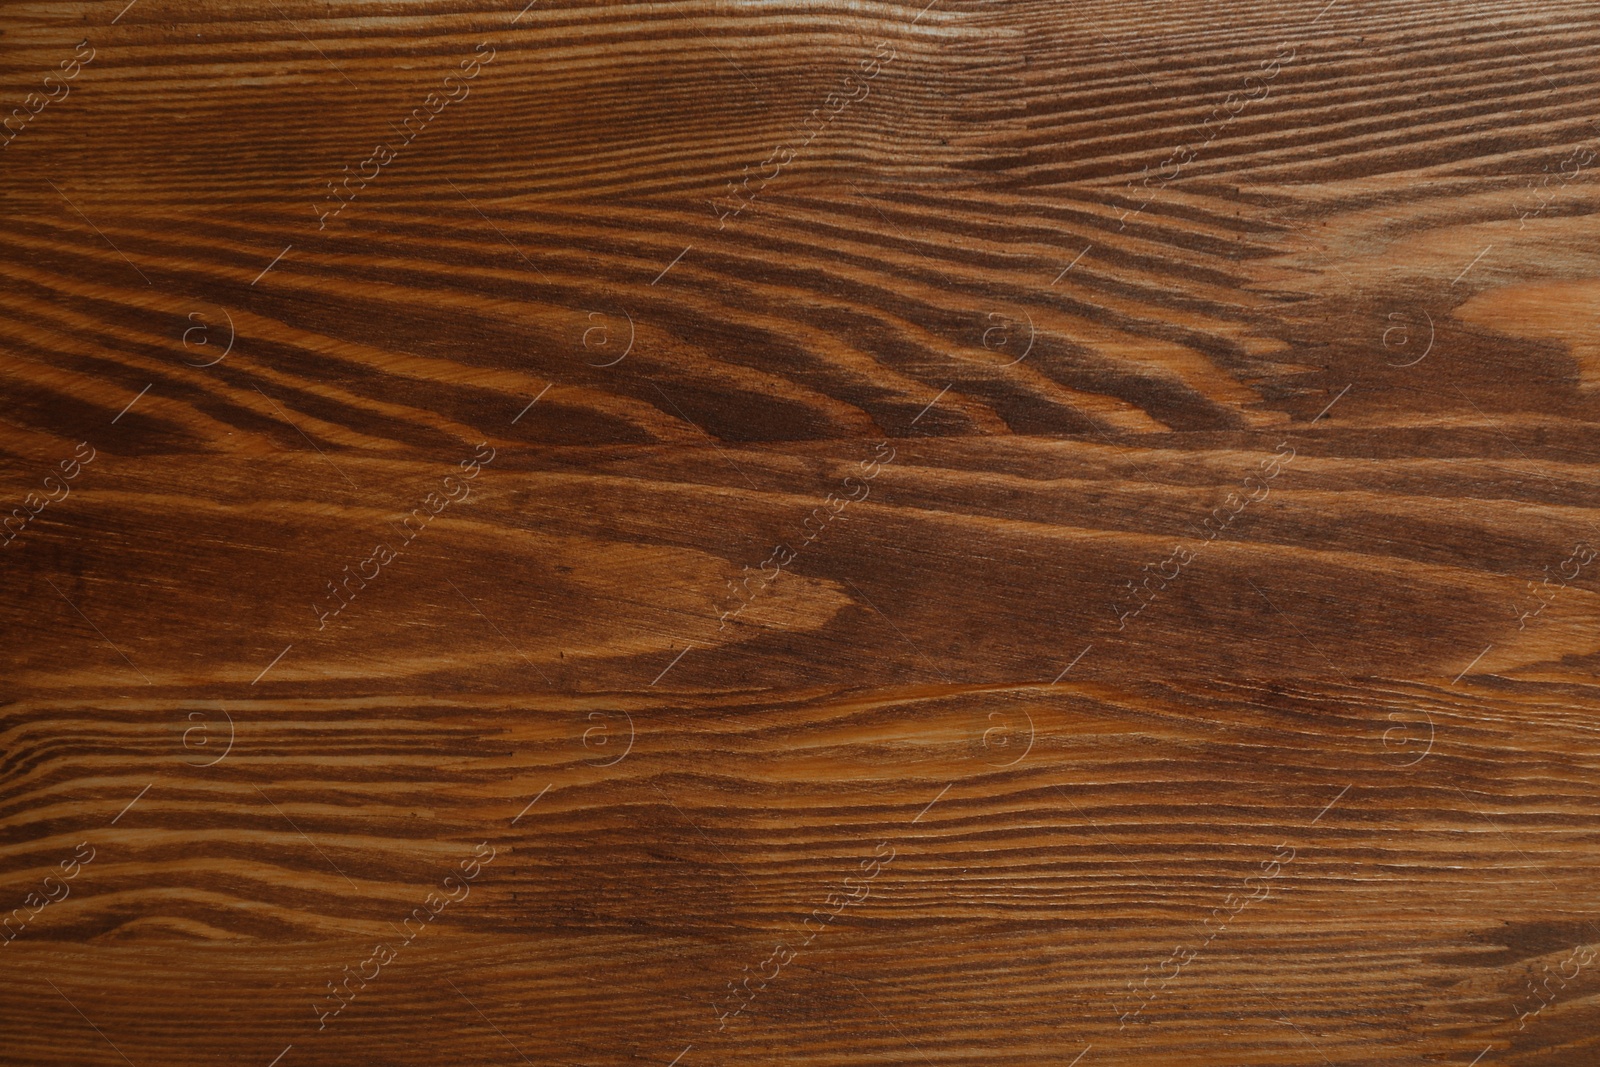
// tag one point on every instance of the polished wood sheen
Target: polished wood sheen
(721, 533)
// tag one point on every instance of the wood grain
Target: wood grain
(1128, 468)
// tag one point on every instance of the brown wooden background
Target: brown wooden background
(1342, 671)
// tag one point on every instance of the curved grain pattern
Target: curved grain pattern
(1075, 544)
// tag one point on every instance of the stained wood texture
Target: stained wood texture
(1112, 480)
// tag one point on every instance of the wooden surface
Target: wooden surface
(1114, 480)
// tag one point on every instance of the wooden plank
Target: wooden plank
(900, 533)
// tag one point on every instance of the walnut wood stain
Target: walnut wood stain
(911, 533)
